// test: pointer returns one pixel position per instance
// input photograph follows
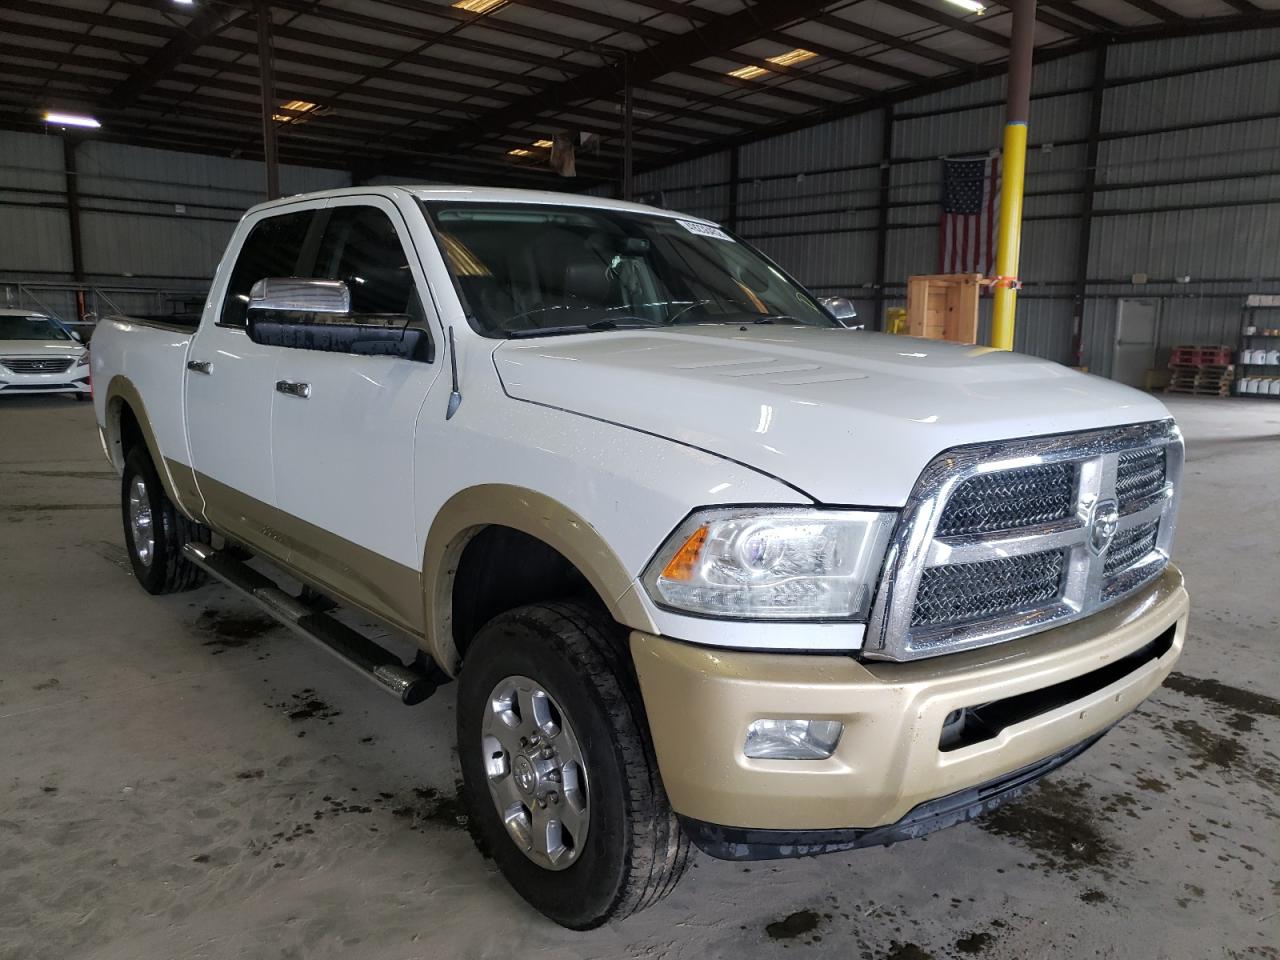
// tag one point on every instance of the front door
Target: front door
(230, 385)
(344, 452)
(1135, 349)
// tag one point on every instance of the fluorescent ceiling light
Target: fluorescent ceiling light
(973, 6)
(798, 55)
(298, 107)
(478, 6)
(519, 152)
(544, 144)
(70, 120)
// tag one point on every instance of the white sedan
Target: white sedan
(39, 355)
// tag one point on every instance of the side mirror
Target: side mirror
(841, 308)
(299, 295)
(76, 337)
(304, 314)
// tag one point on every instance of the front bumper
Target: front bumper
(74, 380)
(1040, 697)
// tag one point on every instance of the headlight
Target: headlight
(777, 563)
(83, 359)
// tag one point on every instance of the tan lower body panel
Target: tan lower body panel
(348, 571)
(700, 700)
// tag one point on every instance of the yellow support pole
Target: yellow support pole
(1014, 162)
(1009, 240)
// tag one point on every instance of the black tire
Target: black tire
(168, 571)
(634, 852)
(82, 397)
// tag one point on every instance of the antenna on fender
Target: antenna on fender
(455, 398)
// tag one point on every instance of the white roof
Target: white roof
(14, 312)
(487, 195)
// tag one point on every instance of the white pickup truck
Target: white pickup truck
(710, 568)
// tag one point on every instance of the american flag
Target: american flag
(970, 201)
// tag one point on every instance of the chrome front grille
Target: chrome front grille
(1130, 546)
(961, 592)
(1011, 498)
(1001, 540)
(37, 364)
(1139, 473)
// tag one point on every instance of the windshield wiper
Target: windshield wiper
(624, 324)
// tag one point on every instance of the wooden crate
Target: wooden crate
(944, 306)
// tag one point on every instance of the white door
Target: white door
(344, 453)
(230, 386)
(1135, 347)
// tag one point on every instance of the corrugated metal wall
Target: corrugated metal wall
(1200, 203)
(153, 222)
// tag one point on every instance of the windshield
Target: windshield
(532, 270)
(31, 328)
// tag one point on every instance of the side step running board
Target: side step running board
(356, 650)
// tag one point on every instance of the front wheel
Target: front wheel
(560, 775)
(154, 530)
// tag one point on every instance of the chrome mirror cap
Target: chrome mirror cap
(302, 295)
(841, 308)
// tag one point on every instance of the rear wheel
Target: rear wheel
(560, 776)
(154, 530)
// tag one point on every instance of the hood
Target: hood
(40, 348)
(846, 416)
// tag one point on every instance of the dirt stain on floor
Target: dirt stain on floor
(229, 631)
(1058, 823)
(975, 944)
(907, 951)
(1207, 748)
(305, 705)
(1224, 695)
(794, 925)
(433, 806)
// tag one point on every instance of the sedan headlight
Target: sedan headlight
(83, 359)
(778, 563)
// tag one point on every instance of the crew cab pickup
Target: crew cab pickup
(710, 568)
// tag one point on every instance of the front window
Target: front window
(534, 270)
(31, 328)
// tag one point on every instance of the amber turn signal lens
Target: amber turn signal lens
(681, 565)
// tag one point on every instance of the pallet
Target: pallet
(1201, 381)
(1199, 356)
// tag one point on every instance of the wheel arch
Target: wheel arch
(470, 512)
(126, 416)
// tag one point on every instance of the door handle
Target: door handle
(200, 366)
(293, 388)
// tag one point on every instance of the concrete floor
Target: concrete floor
(181, 780)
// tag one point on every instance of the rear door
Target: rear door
(343, 447)
(230, 384)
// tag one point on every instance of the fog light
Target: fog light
(792, 739)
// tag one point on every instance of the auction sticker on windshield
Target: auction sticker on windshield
(704, 230)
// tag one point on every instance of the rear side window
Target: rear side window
(360, 247)
(272, 249)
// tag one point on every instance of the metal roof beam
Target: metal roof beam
(889, 40)
(947, 20)
(723, 34)
(1076, 12)
(206, 24)
(1051, 20)
(1157, 10)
